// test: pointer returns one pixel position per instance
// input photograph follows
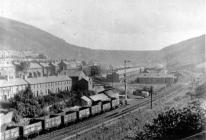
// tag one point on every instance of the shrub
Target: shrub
(174, 124)
(26, 104)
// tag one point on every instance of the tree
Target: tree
(174, 124)
(23, 66)
(57, 108)
(84, 63)
(26, 104)
(95, 70)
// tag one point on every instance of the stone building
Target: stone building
(54, 68)
(7, 70)
(66, 65)
(34, 70)
(46, 69)
(8, 88)
(28, 70)
(42, 86)
(79, 78)
(151, 78)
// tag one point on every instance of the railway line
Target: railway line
(73, 130)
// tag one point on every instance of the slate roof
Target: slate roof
(85, 98)
(111, 93)
(6, 65)
(44, 64)
(12, 82)
(128, 70)
(34, 66)
(75, 73)
(47, 79)
(154, 75)
(101, 97)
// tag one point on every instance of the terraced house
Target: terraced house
(7, 70)
(8, 88)
(42, 86)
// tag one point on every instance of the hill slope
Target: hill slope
(16, 35)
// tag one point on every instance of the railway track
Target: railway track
(96, 121)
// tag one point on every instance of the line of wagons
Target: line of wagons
(53, 122)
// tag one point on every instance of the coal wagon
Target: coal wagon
(69, 117)
(106, 106)
(10, 133)
(33, 127)
(96, 108)
(51, 122)
(84, 112)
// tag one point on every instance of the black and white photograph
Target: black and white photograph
(102, 69)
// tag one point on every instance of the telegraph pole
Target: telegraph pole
(112, 77)
(125, 79)
(151, 92)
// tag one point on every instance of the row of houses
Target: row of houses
(42, 86)
(17, 54)
(26, 69)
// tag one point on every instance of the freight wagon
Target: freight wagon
(84, 112)
(106, 106)
(115, 103)
(34, 127)
(69, 117)
(96, 108)
(10, 133)
(114, 96)
(51, 121)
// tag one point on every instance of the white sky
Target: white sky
(112, 24)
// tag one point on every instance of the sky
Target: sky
(112, 24)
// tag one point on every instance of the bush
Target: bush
(174, 124)
(57, 108)
(26, 104)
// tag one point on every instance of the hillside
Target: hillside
(191, 51)
(16, 35)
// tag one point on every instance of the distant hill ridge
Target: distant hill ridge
(19, 36)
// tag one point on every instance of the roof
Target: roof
(47, 79)
(12, 82)
(71, 64)
(128, 70)
(98, 88)
(56, 64)
(155, 75)
(85, 98)
(101, 97)
(6, 65)
(6, 118)
(34, 66)
(111, 93)
(44, 64)
(74, 108)
(66, 62)
(75, 73)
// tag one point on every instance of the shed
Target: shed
(112, 94)
(100, 97)
(86, 101)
